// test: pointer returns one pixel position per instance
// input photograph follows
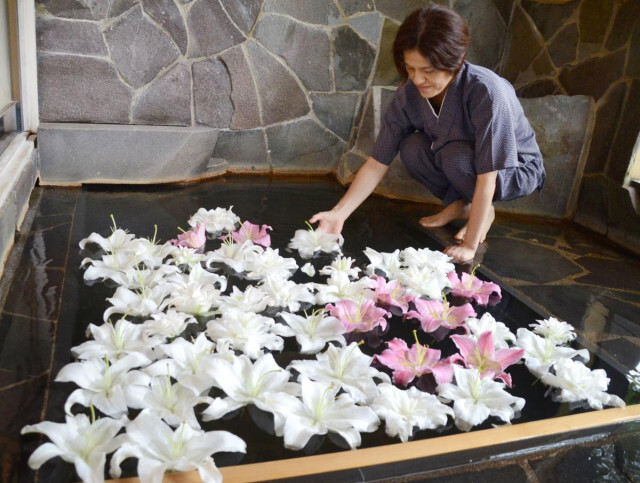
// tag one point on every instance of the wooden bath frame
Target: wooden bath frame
(393, 453)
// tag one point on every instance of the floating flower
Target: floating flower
(216, 221)
(158, 449)
(480, 355)
(471, 287)
(195, 238)
(340, 287)
(233, 255)
(553, 329)
(286, 294)
(391, 294)
(425, 258)
(309, 242)
(341, 265)
(184, 256)
(423, 282)
(193, 298)
(346, 367)
(114, 341)
(540, 353)
(79, 441)
(166, 325)
(253, 299)
(314, 331)
(389, 264)
(576, 383)
(434, 314)
(321, 411)
(114, 267)
(245, 382)
(308, 269)
(119, 240)
(139, 303)
(501, 334)
(362, 316)
(407, 364)
(173, 403)
(269, 263)
(476, 398)
(405, 410)
(254, 233)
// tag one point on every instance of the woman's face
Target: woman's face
(430, 82)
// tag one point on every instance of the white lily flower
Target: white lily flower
(187, 363)
(118, 241)
(314, 331)
(78, 441)
(308, 269)
(245, 331)
(166, 325)
(575, 382)
(423, 282)
(110, 267)
(253, 299)
(149, 253)
(233, 255)
(341, 265)
(193, 298)
(340, 287)
(320, 412)
(115, 341)
(216, 221)
(502, 336)
(286, 293)
(403, 410)
(197, 274)
(137, 279)
(540, 353)
(246, 383)
(309, 242)
(184, 255)
(345, 367)
(425, 258)
(553, 329)
(388, 263)
(111, 388)
(158, 449)
(173, 403)
(476, 398)
(269, 263)
(139, 303)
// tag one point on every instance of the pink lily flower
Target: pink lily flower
(391, 293)
(358, 317)
(481, 355)
(195, 238)
(433, 314)
(256, 234)
(407, 364)
(472, 287)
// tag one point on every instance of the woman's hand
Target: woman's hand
(460, 253)
(329, 221)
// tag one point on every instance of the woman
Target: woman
(459, 128)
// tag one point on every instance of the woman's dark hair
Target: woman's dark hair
(438, 33)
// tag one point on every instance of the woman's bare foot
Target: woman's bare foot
(457, 210)
(485, 227)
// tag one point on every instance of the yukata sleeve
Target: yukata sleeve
(494, 120)
(395, 126)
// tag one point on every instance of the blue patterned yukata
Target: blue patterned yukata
(480, 128)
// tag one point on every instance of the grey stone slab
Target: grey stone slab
(210, 29)
(386, 73)
(243, 12)
(621, 275)
(8, 221)
(303, 147)
(324, 12)
(349, 164)
(397, 183)
(592, 76)
(69, 36)
(353, 59)
(608, 112)
(118, 7)
(280, 95)
(399, 9)
(368, 26)
(166, 14)
(246, 111)
(626, 17)
(294, 41)
(627, 136)
(212, 93)
(560, 124)
(167, 100)
(540, 88)
(633, 68)
(245, 151)
(367, 132)
(139, 48)
(591, 209)
(351, 7)
(81, 153)
(623, 220)
(564, 47)
(82, 9)
(549, 17)
(505, 7)
(489, 31)
(81, 89)
(595, 16)
(523, 45)
(336, 111)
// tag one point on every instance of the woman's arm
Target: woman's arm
(479, 217)
(367, 178)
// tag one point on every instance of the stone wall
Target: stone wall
(588, 47)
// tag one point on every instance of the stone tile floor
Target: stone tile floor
(556, 268)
